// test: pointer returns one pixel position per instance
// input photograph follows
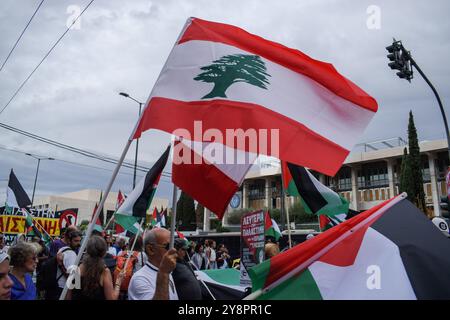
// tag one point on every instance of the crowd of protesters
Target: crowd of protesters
(111, 269)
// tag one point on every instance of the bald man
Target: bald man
(154, 280)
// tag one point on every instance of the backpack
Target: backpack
(121, 260)
(47, 276)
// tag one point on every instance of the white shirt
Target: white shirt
(112, 251)
(69, 258)
(141, 260)
(143, 284)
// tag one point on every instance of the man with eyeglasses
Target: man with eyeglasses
(154, 280)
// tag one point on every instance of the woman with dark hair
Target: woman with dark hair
(23, 261)
(96, 279)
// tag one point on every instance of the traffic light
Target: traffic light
(400, 60)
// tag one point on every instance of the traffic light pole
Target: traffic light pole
(413, 63)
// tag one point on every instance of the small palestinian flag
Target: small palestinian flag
(377, 254)
(30, 228)
(271, 228)
(98, 224)
(135, 206)
(316, 198)
(154, 217)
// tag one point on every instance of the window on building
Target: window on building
(373, 175)
(257, 189)
(344, 179)
(425, 168)
(441, 163)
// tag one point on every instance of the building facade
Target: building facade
(85, 201)
(366, 178)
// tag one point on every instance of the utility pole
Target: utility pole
(402, 60)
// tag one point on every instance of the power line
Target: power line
(20, 37)
(77, 150)
(46, 55)
(165, 175)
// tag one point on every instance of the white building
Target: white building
(85, 201)
(366, 178)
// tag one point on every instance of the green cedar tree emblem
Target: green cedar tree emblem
(231, 69)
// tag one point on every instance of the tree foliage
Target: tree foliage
(231, 69)
(186, 212)
(411, 179)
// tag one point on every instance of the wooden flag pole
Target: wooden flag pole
(99, 209)
(134, 243)
(173, 217)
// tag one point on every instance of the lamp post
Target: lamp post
(126, 95)
(37, 171)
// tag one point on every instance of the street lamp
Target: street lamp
(37, 171)
(401, 60)
(126, 95)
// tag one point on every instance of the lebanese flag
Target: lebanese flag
(377, 254)
(202, 171)
(221, 77)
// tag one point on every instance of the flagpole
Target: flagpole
(99, 208)
(134, 243)
(35, 221)
(201, 280)
(174, 216)
(283, 207)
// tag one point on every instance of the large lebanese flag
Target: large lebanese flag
(228, 78)
(200, 169)
(374, 255)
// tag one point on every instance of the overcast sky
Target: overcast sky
(122, 45)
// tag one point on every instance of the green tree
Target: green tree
(231, 69)
(411, 179)
(186, 212)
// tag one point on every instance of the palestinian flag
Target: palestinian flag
(30, 228)
(161, 218)
(271, 228)
(135, 206)
(154, 217)
(316, 198)
(205, 172)
(16, 197)
(99, 222)
(391, 251)
(223, 283)
(120, 199)
(221, 77)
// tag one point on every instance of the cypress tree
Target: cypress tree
(415, 162)
(199, 213)
(411, 180)
(186, 212)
